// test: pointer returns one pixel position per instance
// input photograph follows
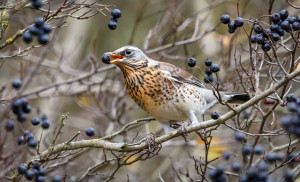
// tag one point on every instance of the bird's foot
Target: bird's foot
(183, 131)
(153, 144)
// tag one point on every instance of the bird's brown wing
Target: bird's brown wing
(180, 75)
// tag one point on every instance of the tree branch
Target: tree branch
(125, 147)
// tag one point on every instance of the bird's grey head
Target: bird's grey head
(129, 56)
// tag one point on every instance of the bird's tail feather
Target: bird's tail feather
(238, 98)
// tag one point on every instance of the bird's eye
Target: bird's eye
(128, 52)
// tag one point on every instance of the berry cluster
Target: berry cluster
(259, 172)
(37, 4)
(115, 14)
(210, 68)
(292, 122)
(217, 174)
(232, 25)
(36, 172)
(40, 29)
(28, 138)
(21, 107)
(281, 23)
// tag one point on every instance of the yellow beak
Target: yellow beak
(116, 58)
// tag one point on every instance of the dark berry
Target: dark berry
(244, 178)
(252, 172)
(113, 19)
(208, 62)
(240, 136)
(105, 58)
(271, 157)
(262, 166)
(263, 175)
(225, 19)
(56, 179)
(90, 131)
(29, 174)
(35, 165)
(297, 19)
(214, 68)
(21, 117)
(280, 156)
(293, 107)
(226, 155)
(285, 25)
(26, 108)
(275, 36)
(291, 98)
(236, 166)
(32, 143)
(40, 179)
(39, 21)
(43, 39)
(37, 4)
(191, 62)
(253, 38)
(208, 71)
(42, 172)
(214, 115)
(44, 117)
(266, 46)
(208, 78)
(35, 30)
(35, 121)
(231, 27)
(27, 37)
(231, 30)
(266, 33)
(112, 25)
(296, 26)
(46, 28)
(258, 29)
(29, 136)
(45, 124)
(289, 176)
(258, 150)
(259, 39)
(246, 150)
(239, 21)
(16, 83)
(22, 169)
(275, 18)
(291, 19)
(9, 125)
(280, 32)
(21, 140)
(274, 27)
(116, 13)
(283, 14)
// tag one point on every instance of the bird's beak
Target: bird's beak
(116, 58)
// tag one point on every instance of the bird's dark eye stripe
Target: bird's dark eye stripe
(122, 53)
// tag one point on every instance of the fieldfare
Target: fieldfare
(166, 92)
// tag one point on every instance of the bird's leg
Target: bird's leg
(192, 116)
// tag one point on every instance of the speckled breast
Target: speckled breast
(161, 97)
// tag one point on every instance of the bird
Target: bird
(165, 91)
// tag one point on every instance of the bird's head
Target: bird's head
(128, 56)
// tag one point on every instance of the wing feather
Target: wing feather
(180, 75)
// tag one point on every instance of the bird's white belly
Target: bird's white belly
(175, 110)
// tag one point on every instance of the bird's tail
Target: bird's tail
(237, 98)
